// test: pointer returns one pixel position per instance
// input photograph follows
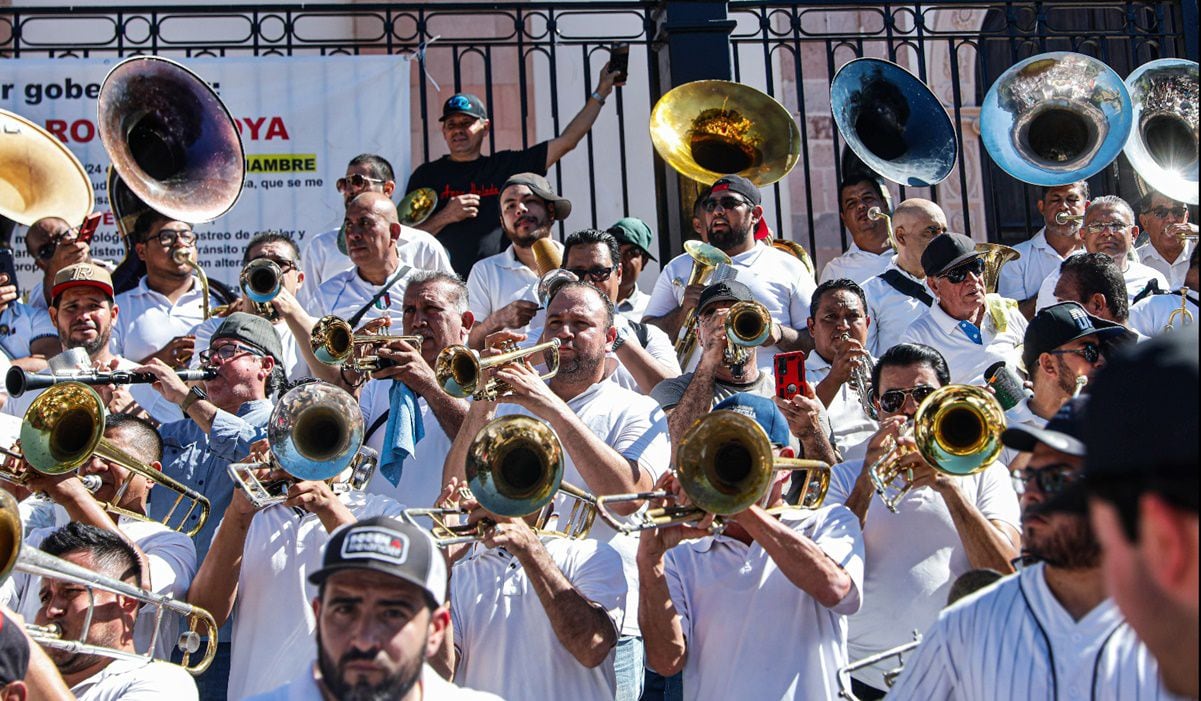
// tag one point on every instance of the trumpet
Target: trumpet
(261, 280)
(17, 558)
(1063, 218)
(18, 381)
(315, 433)
(460, 370)
(705, 259)
(334, 343)
(861, 383)
(958, 432)
(724, 465)
(514, 469)
(747, 325)
(184, 256)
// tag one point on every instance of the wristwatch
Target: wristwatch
(194, 395)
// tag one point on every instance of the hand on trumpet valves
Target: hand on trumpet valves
(711, 333)
(409, 367)
(652, 544)
(883, 440)
(1181, 231)
(849, 354)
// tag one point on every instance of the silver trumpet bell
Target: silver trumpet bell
(315, 431)
(1056, 118)
(1162, 146)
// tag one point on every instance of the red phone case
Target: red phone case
(88, 228)
(790, 373)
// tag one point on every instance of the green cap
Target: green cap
(633, 231)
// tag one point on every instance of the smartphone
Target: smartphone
(88, 228)
(790, 374)
(619, 60)
(8, 266)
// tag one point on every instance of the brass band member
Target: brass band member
(1169, 245)
(869, 251)
(1060, 238)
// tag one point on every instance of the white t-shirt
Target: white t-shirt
(346, 293)
(274, 627)
(752, 633)
(1136, 275)
(21, 325)
(857, 264)
(912, 557)
(1174, 271)
(658, 346)
(421, 476)
(1149, 315)
(891, 311)
(433, 688)
(294, 363)
(966, 359)
(129, 680)
(1020, 279)
(779, 282)
(500, 625)
(500, 279)
(1019, 415)
(634, 426)
(850, 423)
(1014, 640)
(147, 320)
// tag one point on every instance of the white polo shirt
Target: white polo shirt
(1014, 640)
(966, 359)
(294, 363)
(912, 557)
(1136, 275)
(890, 310)
(634, 306)
(147, 320)
(500, 625)
(778, 280)
(1020, 279)
(20, 325)
(433, 688)
(752, 633)
(131, 680)
(500, 279)
(857, 264)
(1019, 415)
(658, 346)
(1150, 315)
(421, 475)
(1174, 271)
(273, 623)
(851, 425)
(346, 293)
(634, 426)
(320, 260)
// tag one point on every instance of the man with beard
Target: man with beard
(1050, 632)
(503, 287)
(1166, 221)
(66, 605)
(1042, 253)
(614, 439)
(381, 611)
(968, 328)
(870, 250)
(777, 280)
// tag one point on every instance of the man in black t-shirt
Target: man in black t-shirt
(467, 220)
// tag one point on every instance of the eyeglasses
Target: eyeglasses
(168, 237)
(226, 353)
(726, 202)
(960, 273)
(597, 274)
(357, 181)
(285, 265)
(1051, 479)
(892, 400)
(46, 251)
(1091, 352)
(1162, 212)
(1102, 226)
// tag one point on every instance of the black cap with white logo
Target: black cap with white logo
(383, 544)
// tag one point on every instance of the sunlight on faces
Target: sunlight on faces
(894, 377)
(854, 203)
(368, 227)
(1114, 244)
(524, 216)
(840, 312)
(595, 255)
(159, 258)
(112, 475)
(350, 190)
(729, 228)
(430, 313)
(1066, 198)
(84, 318)
(66, 605)
(959, 300)
(576, 316)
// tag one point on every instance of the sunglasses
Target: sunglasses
(1161, 212)
(892, 400)
(597, 274)
(726, 202)
(1051, 479)
(1091, 352)
(960, 273)
(285, 265)
(357, 181)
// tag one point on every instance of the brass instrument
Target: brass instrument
(1056, 118)
(893, 122)
(514, 469)
(461, 371)
(958, 432)
(747, 325)
(1186, 236)
(876, 214)
(315, 433)
(335, 343)
(18, 381)
(39, 176)
(1063, 218)
(861, 384)
(185, 256)
(705, 259)
(1182, 313)
(995, 256)
(18, 558)
(795, 250)
(724, 465)
(64, 427)
(1162, 146)
(261, 280)
(417, 206)
(890, 677)
(547, 255)
(550, 283)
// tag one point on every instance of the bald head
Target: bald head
(377, 203)
(915, 222)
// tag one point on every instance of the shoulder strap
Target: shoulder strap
(1152, 288)
(907, 287)
(376, 425)
(358, 316)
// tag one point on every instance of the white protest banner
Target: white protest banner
(301, 119)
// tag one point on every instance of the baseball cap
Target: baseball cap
(253, 331)
(82, 275)
(386, 545)
(738, 184)
(1063, 432)
(635, 232)
(463, 103)
(763, 410)
(1063, 323)
(945, 251)
(728, 291)
(539, 185)
(14, 652)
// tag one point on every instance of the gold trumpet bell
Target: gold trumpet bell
(39, 176)
(417, 206)
(709, 128)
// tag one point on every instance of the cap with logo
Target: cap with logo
(252, 330)
(727, 291)
(763, 410)
(739, 185)
(946, 251)
(463, 103)
(635, 232)
(82, 275)
(560, 206)
(1063, 323)
(388, 546)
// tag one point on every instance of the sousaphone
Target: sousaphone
(39, 176)
(1162, 146)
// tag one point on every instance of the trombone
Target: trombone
(724, 465)
(890, 677)
(460, 370)
(31, 561)
(184, 256)
(747, 325)
(334, 343)
(514, 468)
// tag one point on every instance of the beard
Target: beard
(394, 686)
(1066, 378)
(527, 238)
(579, 365)
(91, 347)
(1070, 547)
(728, 238)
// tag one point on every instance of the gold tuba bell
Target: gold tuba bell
(39, 176)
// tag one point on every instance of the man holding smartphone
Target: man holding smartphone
(54, 244)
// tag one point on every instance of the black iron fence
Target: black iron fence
(534, 64)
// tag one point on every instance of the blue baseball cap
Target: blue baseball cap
(765, 413)
(463, 103)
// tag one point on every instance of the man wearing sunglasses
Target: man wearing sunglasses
(943, 527)
(1109, 228)
(1166, 220)
(1050, 246)
(53, 244)
(967, 327)
(870, 250)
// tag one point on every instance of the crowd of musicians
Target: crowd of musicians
(1064, 567)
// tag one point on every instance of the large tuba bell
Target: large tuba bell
(1055, 118)
(171, 139)
(1162, 146)
(893, 122)
(705, 259)
(39, 177)
(995, 255)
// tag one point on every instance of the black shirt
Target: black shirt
(472, 239)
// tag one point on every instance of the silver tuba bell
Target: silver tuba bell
(1162, 146)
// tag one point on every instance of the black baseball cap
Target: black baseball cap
(463, 103)
(540, 186)
(14, 652)
(383, 544)
(946, 251)
(728, 291)
(1063, 323)
(738, 184)
(1063, 432)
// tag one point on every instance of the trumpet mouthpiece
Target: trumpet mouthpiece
(875, 214)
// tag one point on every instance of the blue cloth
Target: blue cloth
(972, 332)
(402, 432)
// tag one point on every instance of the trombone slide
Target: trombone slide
(263, 495)
(184, 256)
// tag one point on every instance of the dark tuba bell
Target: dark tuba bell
(171, 139)
(39, 177)
(1162, 146)
(893, 122)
